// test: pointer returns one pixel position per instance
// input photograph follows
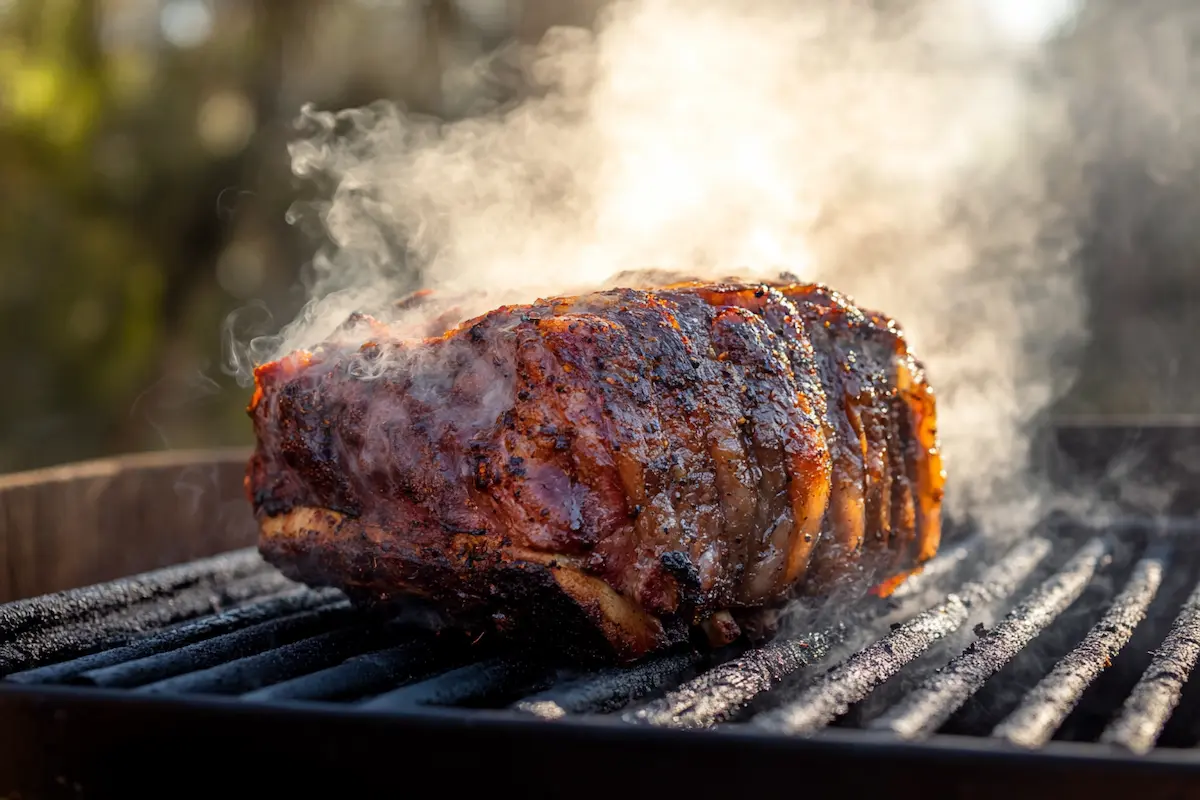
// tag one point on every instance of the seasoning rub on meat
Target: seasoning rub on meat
(616, 470)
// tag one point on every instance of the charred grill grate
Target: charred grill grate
(1060, 665)
(1064, 636)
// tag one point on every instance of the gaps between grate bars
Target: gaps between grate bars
(1152, 701)
(923, 711)
(834, 693)
(72, 638)
(271, 607)
(1044, 709)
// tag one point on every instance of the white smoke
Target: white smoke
(897, 151)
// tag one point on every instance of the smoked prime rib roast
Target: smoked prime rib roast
(619, 470)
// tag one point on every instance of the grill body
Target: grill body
(1057, 665)
(92, 744)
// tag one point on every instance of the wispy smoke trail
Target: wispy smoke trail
(897, 151)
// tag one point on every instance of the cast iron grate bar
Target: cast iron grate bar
(220, 649)
(1043, 711)
(356, 676)
(833, 694)
(262, 669)
(721, 693)
(481, 681)
(72, 639)
(923, 711)
(280, 605)
(1158, 692)
(76, 605)
(610, 690)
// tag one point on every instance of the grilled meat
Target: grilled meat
(616, 469)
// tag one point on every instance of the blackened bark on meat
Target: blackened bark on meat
(645, 458)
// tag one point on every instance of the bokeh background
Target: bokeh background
(145, 184)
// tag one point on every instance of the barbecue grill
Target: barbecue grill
(1054, 665)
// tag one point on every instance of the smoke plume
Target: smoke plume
(904, 153)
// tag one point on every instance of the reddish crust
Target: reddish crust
(657, 458)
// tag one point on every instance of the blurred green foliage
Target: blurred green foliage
(107, 236)
(143, 188)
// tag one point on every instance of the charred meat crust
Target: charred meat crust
(620, 468)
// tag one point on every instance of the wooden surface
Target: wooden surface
(94, 521)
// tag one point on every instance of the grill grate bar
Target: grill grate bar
(1042, 712)
(923, 711)
(280, 605)
(610, 690)
(219, 649)
(855, 678)
(38, 647)
(719, 694)
(483, 680)
(273, 666)
(76, 605)
(1154, 698)
(357, 676)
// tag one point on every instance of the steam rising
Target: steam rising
(896, 151)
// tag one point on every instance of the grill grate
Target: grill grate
(70, 623)
(233, 626)
(1045, 708)
(853, 681)
(938, 697)
(1158, 693)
